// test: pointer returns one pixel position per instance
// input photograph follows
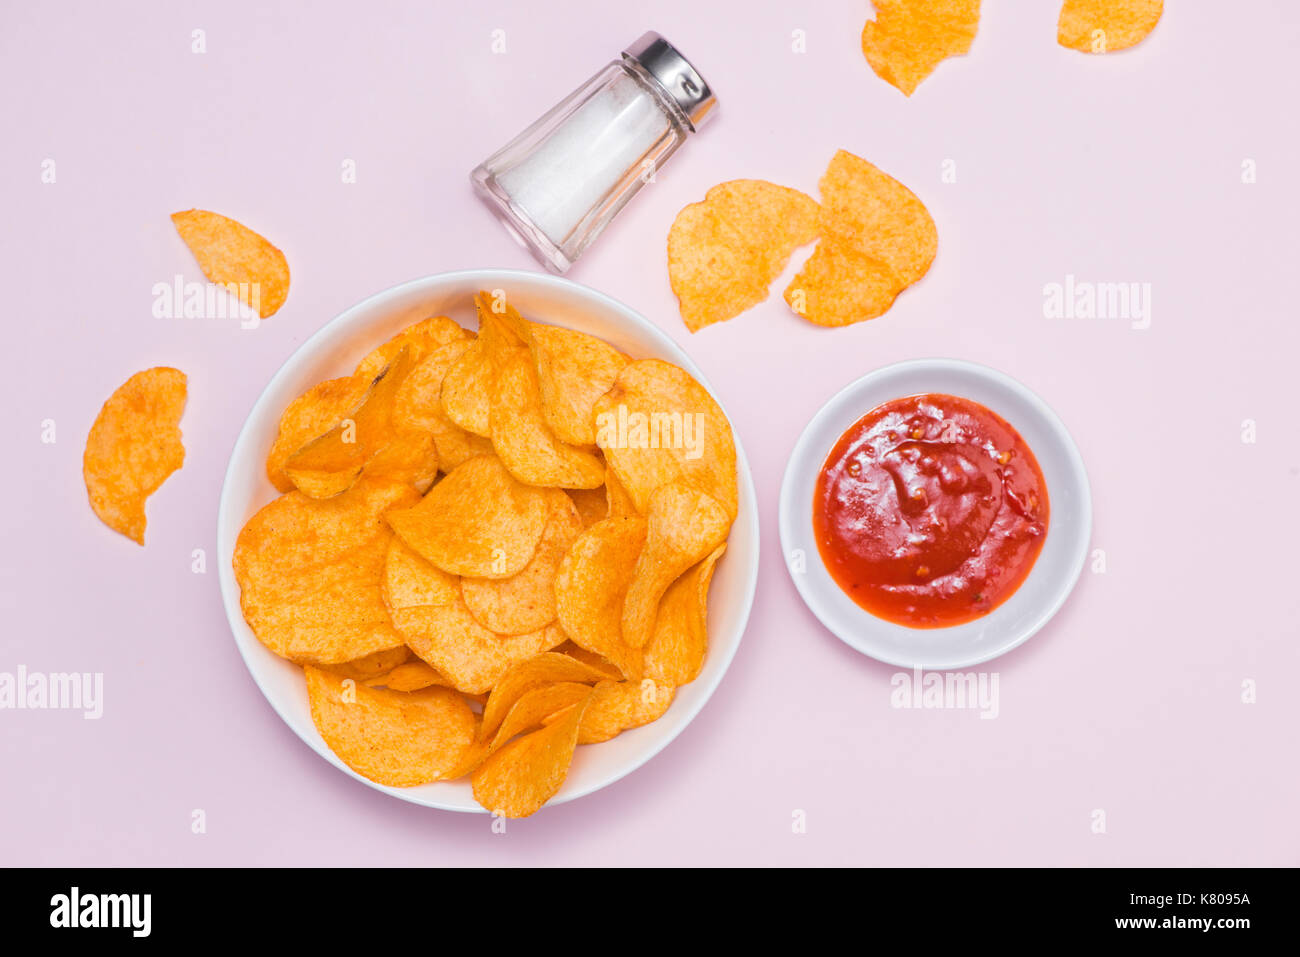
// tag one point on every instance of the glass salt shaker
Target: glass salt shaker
(558, 184)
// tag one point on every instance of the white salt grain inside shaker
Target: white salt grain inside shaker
(559, 183)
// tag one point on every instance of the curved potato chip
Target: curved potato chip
(310, 573)
(838, 286)
(598, 662)
(522, 439)
(410, 581)
(526, 675)
(591, 586)
(472, 658)
(617, 706)
(134, 444)
(373, 665)
(534, 706)
(310, 416)
(618, 504)
(479, 521)
(526, 601)
(1104, 26)
(658, 425)
(467, 388)
(591, 504)
(573, 371)
(675, 652)
(400, 739)
(420, 340)
(418, 408)
(909, 38)
(682, 527)
(474, 756)
(414, 675)
(724, 252)
(330, 464)
(232, 255)
(522, 776)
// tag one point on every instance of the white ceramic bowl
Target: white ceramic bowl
(1039, 596)
(333, 351)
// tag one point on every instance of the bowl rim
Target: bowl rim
(598, 301)
(799, 457)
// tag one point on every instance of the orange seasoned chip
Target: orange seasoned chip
(683, 526)
(599, 662)
(724, 252)
(838, 286)
(418, 408)
(573, 371)
(524, 442)
(675, 652)
(592, 504)
(375, 665)
(526, 601)
(591, 586)
(536, 705)
(479, 521)
(617, 706)
(467, 387)
(134, 444)
(658, 425)
(909, 38)
(419, 339)
(526, 675)
(618, 503)
(400, 739)
(310, 573)
(310, 416)
(1104, 26)
(232, 255)
(522, 776)
(414, 675)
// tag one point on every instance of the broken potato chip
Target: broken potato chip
(1104, 26)
(232, 255)
(909, 38)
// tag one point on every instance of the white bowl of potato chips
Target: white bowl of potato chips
(487, 541)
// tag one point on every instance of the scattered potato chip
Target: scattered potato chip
(311, 415)
(134, 444)
(675, 652)
(909, 38)
(522, 776)
(683, 526)
(420, 339)
(400, 739)
(373, 665)
(617, 706)
(573, 371)
(310, 573)
(1104, 26)
(536, 705)
(724, 252)
(522, 439)
(414, 675)
(232, 255)
(658, 425)
(877, 239)
(523, 677)
(591, 585)
(526, 601)
(479, 521)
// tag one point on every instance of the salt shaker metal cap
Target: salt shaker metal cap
(559, 183)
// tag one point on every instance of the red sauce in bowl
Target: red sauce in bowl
(930, 511)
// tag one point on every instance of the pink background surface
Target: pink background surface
(1124, 168)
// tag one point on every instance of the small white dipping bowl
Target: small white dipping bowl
(333, 351)
(1054, 574)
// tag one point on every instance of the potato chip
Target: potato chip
(420, 339)
(232, 255)
(598, 662)
(591, 585)
(479, 521)
(414, 675)
(682, 527)
(400, 739)
(522, 776)
(838, 286)
(330, 464)
(675, 652)
(573, 371)
(536, 705)
(311, 415)
(418, 408)
(617, 706)
(474, 756)
(658, 425)
(526, 675)
(724, 252)
(375, 665)
(526, 601)
(467, 388)
(909, 38)
(134, 444)
(522, 439)
(1104, 26)
(591, 503)
(310, 573)
(618, 504)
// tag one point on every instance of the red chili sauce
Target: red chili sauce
(930, 511)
